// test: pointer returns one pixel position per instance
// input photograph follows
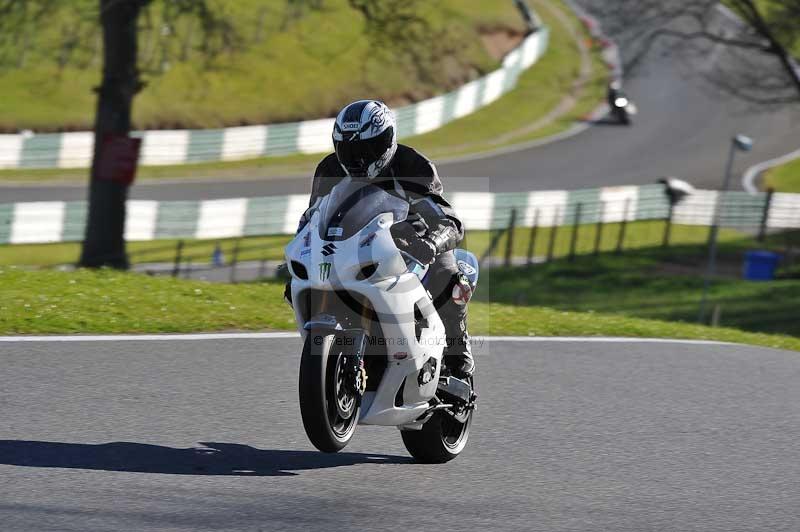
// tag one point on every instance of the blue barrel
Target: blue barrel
(760, 265)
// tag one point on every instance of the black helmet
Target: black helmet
(365, 138)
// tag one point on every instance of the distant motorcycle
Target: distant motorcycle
(373, 340)
(623, 109)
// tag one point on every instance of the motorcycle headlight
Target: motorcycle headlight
(299, 270)
(621, 102)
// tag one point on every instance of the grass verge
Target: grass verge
(539, 91)
(651, 285)
(49, 302)
(252, 248)
(278, 61)
(784, 178)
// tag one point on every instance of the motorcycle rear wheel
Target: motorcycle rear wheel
(441, 439)
(328, 405)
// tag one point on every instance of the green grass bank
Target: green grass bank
(655, 285)
(51, 302)
(266, 62)
(784, 178)
(554, 82)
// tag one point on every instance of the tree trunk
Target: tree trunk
(104, 244)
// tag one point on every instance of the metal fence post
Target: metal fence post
(234, 260)
(510, 239)
(575, 228)
(553, 230)
(598, 235)
(791, 253)
(492, 245)
(668, 226)
(530, 16)
(532, 241)
(716, 315)
(762, 230)
(623, 226)
(176, 267)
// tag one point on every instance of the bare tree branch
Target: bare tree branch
(760, 40)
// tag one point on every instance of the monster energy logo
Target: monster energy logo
(324, 271)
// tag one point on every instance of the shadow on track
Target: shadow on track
(212, 459)
(607, 120)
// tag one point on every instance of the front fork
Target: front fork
(356, 339)
(358, 376)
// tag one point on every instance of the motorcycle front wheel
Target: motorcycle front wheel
(328, 404)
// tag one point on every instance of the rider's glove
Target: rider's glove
(404, 231)
(408, 240)
(423, 250)
(418, 223)
(420, 248)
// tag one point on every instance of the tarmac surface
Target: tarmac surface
(570, 435)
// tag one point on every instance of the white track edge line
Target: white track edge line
(752, 173)
(603, 339)
(279, 335)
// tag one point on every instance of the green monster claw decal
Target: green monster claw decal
(324, 271)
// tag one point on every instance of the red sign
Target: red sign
(118, 157)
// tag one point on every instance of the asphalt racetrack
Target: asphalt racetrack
(569, 436)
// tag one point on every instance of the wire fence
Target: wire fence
(621, 234)
(230, 261)
(503, 228)
(42, 222)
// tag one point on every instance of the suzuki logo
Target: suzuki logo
(324, 271)
(328, 250)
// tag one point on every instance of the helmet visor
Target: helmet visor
(357, 155)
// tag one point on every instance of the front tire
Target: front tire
(329, 407)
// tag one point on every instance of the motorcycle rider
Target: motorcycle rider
(366, 149)
(614, 91)
(619, 105)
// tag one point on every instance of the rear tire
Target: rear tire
(330, 410)
(441, 439)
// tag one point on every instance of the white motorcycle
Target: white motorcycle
(373, 341)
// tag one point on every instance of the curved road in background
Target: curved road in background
(568, 436)
(683, 129)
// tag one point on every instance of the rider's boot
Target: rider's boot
(458, 354)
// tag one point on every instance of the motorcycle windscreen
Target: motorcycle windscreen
(351, 205)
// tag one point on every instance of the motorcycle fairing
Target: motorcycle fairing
(393, 293)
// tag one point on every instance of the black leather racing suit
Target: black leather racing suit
(611, 96)
(413, 177)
